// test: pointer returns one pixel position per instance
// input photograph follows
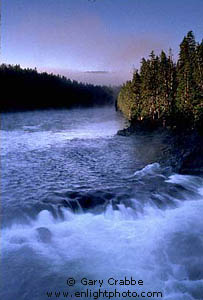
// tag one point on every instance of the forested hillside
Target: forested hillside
(26, 89)
(167, 93)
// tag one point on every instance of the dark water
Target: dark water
(78, 201)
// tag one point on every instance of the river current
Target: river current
(80, 202)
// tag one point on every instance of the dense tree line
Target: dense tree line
(164, 92)
(26, 89)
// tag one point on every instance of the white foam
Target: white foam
(149, 169)
(120, 243)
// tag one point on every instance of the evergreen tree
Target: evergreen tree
(136, 90)
(198, 109)
(167, 93)
(145, 88)
(187, 88)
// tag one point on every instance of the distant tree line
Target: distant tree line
(26, 89)
(164, 92)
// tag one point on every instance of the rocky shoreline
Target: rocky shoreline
(183, 150)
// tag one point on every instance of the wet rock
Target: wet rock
(187, 151)
(87, 200)
(44, 234)
(193, 162)
(125, 132)
(139, 127)
(96, 200)
(183, 150)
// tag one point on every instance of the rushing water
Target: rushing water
(78, 201)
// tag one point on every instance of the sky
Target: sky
(96, 41)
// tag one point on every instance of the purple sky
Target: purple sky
(74, 37)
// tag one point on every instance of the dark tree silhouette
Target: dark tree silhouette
(26, 89)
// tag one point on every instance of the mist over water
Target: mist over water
(79, 201)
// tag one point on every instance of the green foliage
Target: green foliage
(165, 92)
(198, 116)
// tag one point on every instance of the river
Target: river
(78, 201)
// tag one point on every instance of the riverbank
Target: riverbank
(183, 150)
